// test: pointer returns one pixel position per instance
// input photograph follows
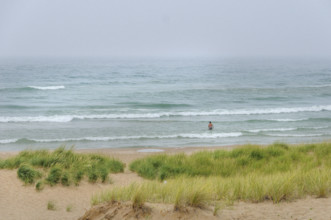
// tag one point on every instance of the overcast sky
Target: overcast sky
(165, 28)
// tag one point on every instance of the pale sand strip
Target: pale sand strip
(23, 202)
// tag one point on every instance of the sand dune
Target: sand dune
(24, 202)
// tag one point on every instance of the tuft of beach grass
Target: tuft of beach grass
(69, 208)
(51, 205)
(61, 166)
(278, 157)
(251, 173)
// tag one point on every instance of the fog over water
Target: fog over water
(152, 73)
(109, 103)
(155, 28)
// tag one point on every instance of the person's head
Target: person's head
(210, 122)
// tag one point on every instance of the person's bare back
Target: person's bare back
(210, 126)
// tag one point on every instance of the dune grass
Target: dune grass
(250, 173)
(28, 174)
(69, 208)
(61, 166)
(40, 185)
(275, 158)
(51, 205)
(202, 191)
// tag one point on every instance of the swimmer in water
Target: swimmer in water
(210, 126)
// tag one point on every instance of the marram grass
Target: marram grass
(251, 173)
(61, 166)
(202, 191)
(276, 158)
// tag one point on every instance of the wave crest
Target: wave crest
(47, 87)
(68, 118)
(197, 136)
(272, 129)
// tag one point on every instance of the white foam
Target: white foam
(272, 129)
(47, 87)
(8, 141)
(150, 150)
(198, 136)
(68, 118)
(296, 135)
(289, 119)
(55, 118)
(320, 86)
(211, 135)
(315, 108)
(121, 116)
(317, 128)
(81, 139)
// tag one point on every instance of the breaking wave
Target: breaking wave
(68, 118)
(272, 129)
(47, 87)
(197, 136)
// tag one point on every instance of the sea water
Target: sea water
(116, 103)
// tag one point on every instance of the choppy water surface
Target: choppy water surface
(162, 103)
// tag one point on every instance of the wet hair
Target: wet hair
(210, 122)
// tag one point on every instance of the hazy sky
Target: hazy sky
(165, 28)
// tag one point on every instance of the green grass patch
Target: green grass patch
(27, 174)
(61, 166)
(251, 173)
(51, 205)
(69, 208)
(54, 175)
(201, 191)
(276, 158)
(40, 185)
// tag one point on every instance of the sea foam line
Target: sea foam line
(272, 129)
(198, 136)
(298, 135)
(68, 118)
(8, 141)
(47, 87)
(315, 108)
(287, 129)
(288, 119)
(319, 86)
(55, 118)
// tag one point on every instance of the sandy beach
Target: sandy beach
(24, 202)
(165, 110)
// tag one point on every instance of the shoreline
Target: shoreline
(137, 152)
(127, 154)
